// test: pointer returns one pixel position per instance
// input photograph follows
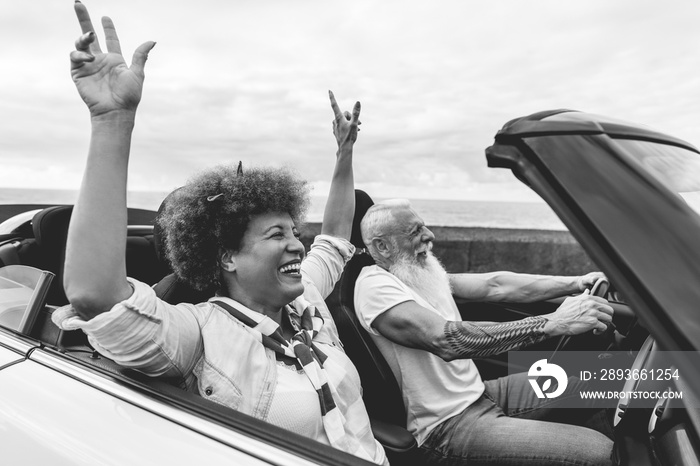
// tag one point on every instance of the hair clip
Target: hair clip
(213, 198)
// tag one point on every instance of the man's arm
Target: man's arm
(410, 324)
(518, 287)
(340, 208)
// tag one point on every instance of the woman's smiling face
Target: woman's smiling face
(267, 267)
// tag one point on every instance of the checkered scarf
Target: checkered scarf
(304, 353)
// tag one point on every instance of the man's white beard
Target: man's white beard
(428, 279)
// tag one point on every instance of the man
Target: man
(405, 302)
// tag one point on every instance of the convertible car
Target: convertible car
(628, 195)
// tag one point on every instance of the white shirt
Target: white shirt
(433, 390)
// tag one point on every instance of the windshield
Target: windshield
(676, 168)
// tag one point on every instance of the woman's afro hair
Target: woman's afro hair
(210, 214)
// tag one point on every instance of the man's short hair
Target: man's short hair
(379, 221)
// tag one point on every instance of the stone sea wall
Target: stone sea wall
(467, 249)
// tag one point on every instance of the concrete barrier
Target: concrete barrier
(468, 249)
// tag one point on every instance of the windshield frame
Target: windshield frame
(628, 222)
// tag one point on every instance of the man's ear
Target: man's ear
(382, 246)
(227, 261)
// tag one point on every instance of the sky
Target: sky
(234, 80)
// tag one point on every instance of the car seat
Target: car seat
(50, 228)
(381, 392)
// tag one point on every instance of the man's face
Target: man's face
(413, 262)
(411, 238)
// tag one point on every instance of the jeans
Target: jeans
(488, 432)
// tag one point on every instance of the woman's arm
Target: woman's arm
(95, 268)
(340, 208)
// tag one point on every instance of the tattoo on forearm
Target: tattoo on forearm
(480, 339)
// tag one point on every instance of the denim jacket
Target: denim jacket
(218, 356)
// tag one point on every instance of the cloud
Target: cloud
(235, 80)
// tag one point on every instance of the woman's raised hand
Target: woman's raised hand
(107, 85)
(345, 124)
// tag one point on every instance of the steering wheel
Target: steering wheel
(600, 289)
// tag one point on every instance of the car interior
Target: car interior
(39, 241)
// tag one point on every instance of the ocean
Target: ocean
(523, 215)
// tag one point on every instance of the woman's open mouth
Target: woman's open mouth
(291, 269)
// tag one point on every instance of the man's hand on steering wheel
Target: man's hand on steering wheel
(586, 282)
(579, 314)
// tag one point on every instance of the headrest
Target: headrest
(362, 203)
(51, 226)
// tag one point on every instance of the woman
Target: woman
(266, 344)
